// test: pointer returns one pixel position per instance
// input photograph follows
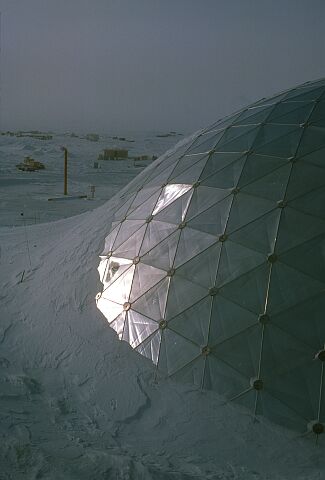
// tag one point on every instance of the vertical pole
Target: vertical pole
(65, 171)
(0, 71)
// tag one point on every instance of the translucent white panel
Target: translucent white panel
(290, 372)
(192, 242)
(253, 116)
(291, 113)
(228, 319)
(131, 247)
(206, 142)
(279, 143)
(145, 277)
(169, 194)
(163, 169)
(109, 241)
(309, 260)
(127, 229)
(109, 309)
(122, 211)
(176, 212)
(278, 412)
(150, 347)
(271, 186)
(222, 378)
(191, 372)
(153, 302)
(234, 132)
(271, 101)
(203, 198)
(243, 360)
(289, 286)
(201, 269)
(227, 177)
(118, 325)
(236, 260)
(313, 139)
(222, 123)
(307, 93)
(162, 256)
(249, 290)
(297, 227)
(137, 328)
(218, 161)
(214, 219)
(190, 175)
(258, 165)
(176, 351)
(316, 157)
(187, 162)
(162, 177)
(247, 208)
(261, 234)
(182, 294)
(111, 268)
(119, 291)
(311, 203)
(237, 139)
(194, 322)
(317, 117)
(155, 233)
(305, 178)
(294, 321)
(142, 196)
(145, 209)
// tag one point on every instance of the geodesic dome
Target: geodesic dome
(214, 265)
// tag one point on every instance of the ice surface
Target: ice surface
(76, 403)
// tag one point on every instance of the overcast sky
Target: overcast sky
(132, 65)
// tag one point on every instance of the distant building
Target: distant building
(37, 136)
(93, 137)
(113, 154)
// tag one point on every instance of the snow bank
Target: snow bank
(78, 404)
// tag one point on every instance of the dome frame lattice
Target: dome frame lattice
(214, 265)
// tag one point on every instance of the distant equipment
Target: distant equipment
(30, 165)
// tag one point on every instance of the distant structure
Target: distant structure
(92, 137)
(142, 157)
(113, 154)
(170, 134)
(34, 134)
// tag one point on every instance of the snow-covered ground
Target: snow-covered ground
(75, 402)
(27, 193)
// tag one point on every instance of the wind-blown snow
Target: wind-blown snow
(76, 403)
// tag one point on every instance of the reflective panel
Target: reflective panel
(214, 266)
(169, 194)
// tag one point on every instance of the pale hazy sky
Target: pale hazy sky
(114, 65)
